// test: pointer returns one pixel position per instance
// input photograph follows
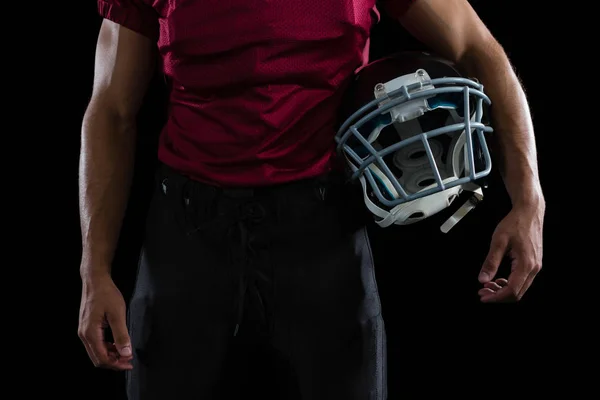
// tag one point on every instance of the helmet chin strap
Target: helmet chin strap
(423, 207)
(463, 210)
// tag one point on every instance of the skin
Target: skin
(123, 68)
(453, 29)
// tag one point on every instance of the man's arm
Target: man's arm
(452, 29)
(123, 69)
(124, 66)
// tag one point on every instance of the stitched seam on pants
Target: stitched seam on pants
(381, 380)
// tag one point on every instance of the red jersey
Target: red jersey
(255, 85)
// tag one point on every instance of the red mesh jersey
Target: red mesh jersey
(255, 84)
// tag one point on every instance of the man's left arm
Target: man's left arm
(453, 29)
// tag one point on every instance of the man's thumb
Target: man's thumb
(118, 327)
(494, 258)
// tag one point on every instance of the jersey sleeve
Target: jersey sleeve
(396, 8)
(136, 15)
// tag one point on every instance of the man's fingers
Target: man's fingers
(93, 338)
(118, 363)
(490, 288)
(512, 290)
(501, 282)
(529, 280)
(112, 350)
(88, 349)
(493, 285)
(103, 354)
(118, 327)
(497, 251)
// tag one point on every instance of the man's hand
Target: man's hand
(102, 306)
(518, 235)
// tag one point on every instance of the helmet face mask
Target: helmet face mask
(414, 136)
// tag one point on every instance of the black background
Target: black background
(441, 339)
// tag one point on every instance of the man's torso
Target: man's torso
(255, 85)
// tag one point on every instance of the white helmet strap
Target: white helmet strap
(403, 212)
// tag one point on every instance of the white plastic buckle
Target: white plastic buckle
(468, 205)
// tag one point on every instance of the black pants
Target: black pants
(270, 289)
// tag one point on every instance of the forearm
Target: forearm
(514, 136)
(105, 173)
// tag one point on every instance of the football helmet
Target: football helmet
(413, 134)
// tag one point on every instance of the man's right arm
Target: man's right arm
(124, 65)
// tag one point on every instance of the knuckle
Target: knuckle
(501, 238)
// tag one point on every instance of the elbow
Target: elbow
(104, 121)
(110, 111)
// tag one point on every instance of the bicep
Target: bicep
(448, 27)
(124, 65)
